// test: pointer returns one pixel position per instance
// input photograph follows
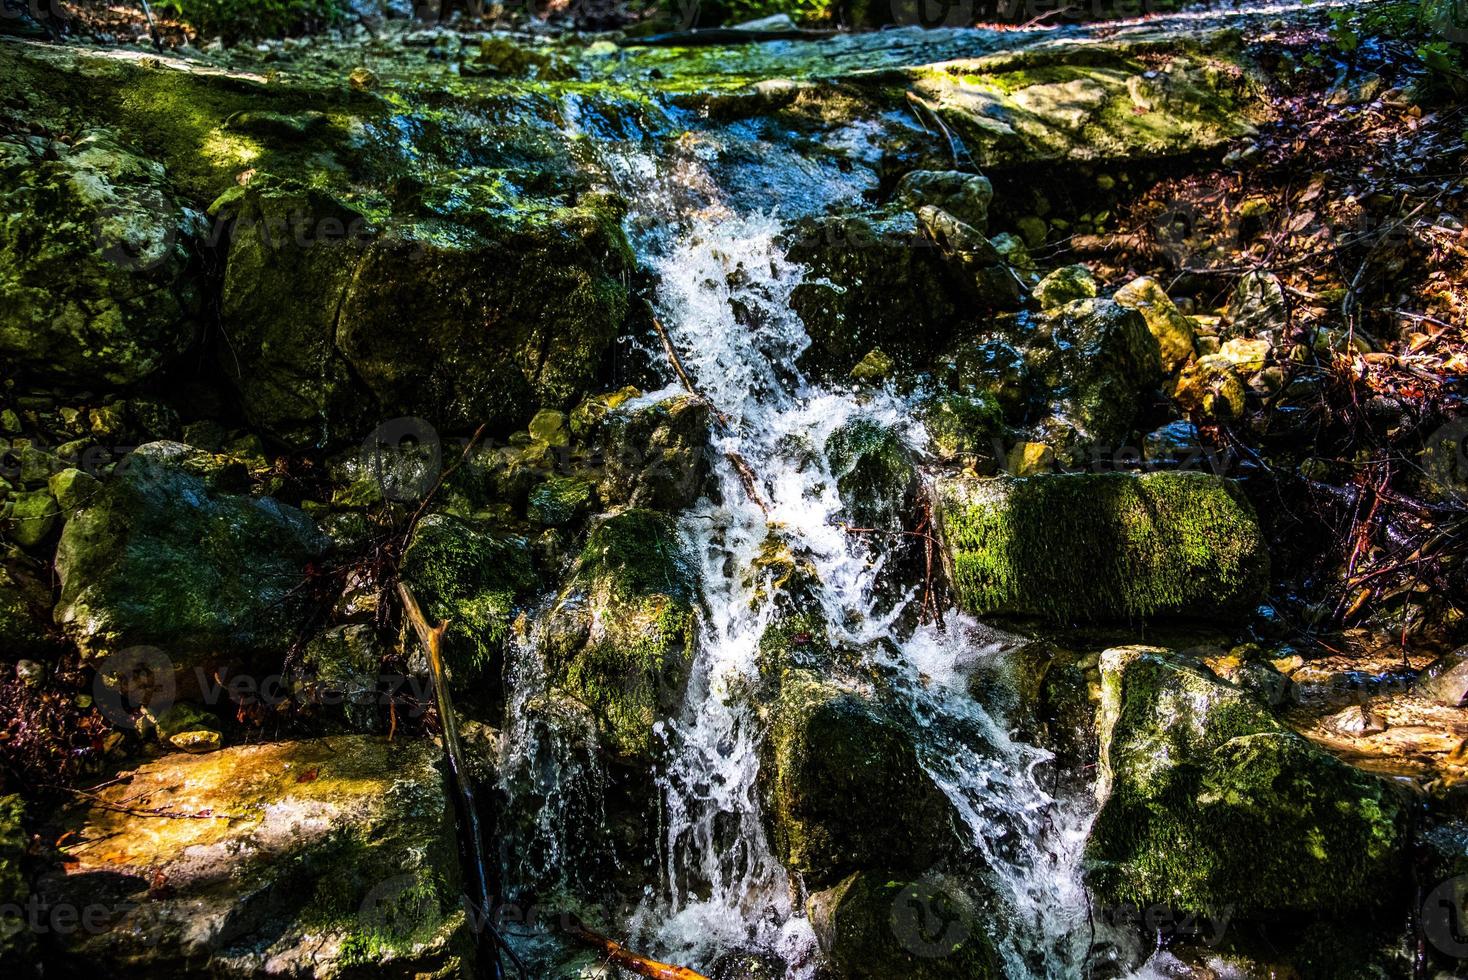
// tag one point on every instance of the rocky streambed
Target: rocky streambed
(836, 584)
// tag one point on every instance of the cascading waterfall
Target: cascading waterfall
(723, 292)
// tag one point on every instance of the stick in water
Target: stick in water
(621, 956)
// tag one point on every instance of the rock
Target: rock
(549, 426)
(995, 284)
(1258, 306)
(1029, 458)
(323, 857)
(1102, 546)
(74, 489)
(875, 282)
(97, 276)
(874, 368)
(1247, 356)
(843, 787)
(317, 346)
(1192, 765)
(25, 605)
(186, 727)
(1032, 229)
(1446, 679)
(341, 668)
(876, 925)
(561, 501)
(166, 556)
(875, 473)
(1211, 388)
(622, 635)
(474, 579)
(1173, 330)
(17, 943)
(658, 455)
(31, 517)
(1065, 285)
(993, 370)
(1093, 359)
(965, 196)
(1175, 444)
(959, 425)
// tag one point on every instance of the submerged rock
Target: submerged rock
(512, 312)
(314, 858)
(1104, 546)
(877, 925)
(167, 556)
(622, 634)
(95, 262)
(843, 786)
(1192, 766)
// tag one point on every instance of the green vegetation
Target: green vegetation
(1437, 30)
(254, 18)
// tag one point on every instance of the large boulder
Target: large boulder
(172, 554)
(1102, 546)
(875, 473)
(475, 579)
(843, 786)
(622, 634)
(1193, 766)
(95, 283)
(327, 857)
(876, 925)
(517, 310)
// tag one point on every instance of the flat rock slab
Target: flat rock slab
(302, 858)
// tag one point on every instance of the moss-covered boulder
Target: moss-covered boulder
(1192, 767)
(843, 786)
(1174, 332)
(95, 262)
(657, 456)
(25, 605)
(881, 924)
(1102, 546)
(513, 311)
(1065, 285)
(475, 579)
(874, 472)
(167, 556)
(327, 857)
(623, 632)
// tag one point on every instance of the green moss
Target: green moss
(473, 579)
(1103, 546)
(874, 473)
(561, 500)
(1192, 766)
(639, 553)
(16, 940)
(960, 425)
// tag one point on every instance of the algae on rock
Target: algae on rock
(1102, 546)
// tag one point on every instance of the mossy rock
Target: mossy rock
(1102, 546)
(1193, 766)
(518, 310)
(475, 579)
(622, 635)
(166, 556)
(1065, 285)
(657, 456)
(25, 606)
(875, 282)
(965, 196)
(330, 856)
(843, 786)
(877, 925)
(17, 941)
(1176, 338)
(963, 426)
(875, 473)
(97, 281)
(561, 500)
